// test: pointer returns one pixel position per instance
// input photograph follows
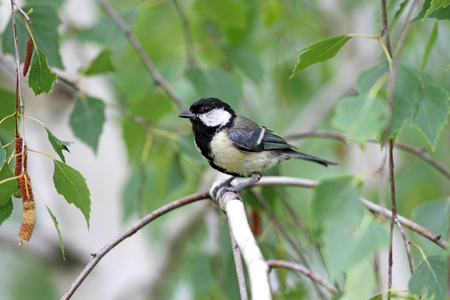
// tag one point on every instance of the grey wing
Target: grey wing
(246, 135)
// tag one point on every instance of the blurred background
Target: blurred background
(242, 52)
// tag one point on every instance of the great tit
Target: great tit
(237, 146)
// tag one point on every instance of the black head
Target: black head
(211, 112)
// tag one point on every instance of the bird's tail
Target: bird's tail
(294, 154)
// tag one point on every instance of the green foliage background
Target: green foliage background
(245, 52)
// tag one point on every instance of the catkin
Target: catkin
(28, 220)
(28, 55)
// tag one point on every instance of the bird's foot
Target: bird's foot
(216, 189)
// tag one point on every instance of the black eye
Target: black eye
(205, 109)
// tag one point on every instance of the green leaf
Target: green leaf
(360, 117)
(439, 14)
(216, 83)
(347, 237)
(354, 287)
(175, 174)
(435, 5)
(432, 114)
(319, 52)
(55, 222)
(55, 3)
(101, 64)
(7, 188)
(429, 45)
(6, 211)
(2, 154)
(408, 93)
(248, 62)
(45, 32)
(57, 144)
(435, 217)
(220, 11)
(430, 278)
(40, 77)
(72, 185)
(87, 119)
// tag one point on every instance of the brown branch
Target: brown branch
(342, 137)
(157, 77)
(299, 182)
(96, 257)
(305, 271)
(384, 212)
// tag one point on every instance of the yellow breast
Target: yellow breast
(228, 157)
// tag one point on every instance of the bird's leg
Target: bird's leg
(221, 185)
(255, 178)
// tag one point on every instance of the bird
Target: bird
(237, 146)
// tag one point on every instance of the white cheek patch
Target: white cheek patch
(216, 117)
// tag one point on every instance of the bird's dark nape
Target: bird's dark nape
(299, 155)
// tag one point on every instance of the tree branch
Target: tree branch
(238, 264)
(342, 137)
(96, 257)
(257, 267)
(303, 270)
(299, 182)
(157, 77)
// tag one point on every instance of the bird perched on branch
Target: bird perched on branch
(237, 146)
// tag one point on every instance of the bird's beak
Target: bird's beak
(186, 114)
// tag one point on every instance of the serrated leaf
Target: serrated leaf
(6, 211)
(45, 32)
(430, 278)
(72, 185)
(429, 45)
(435, 5)
(2, 154)
(216, 83)
(432, 114)
(40, 77)
(439, 14)
(408, 94)
(101, 64)
(87, 119)
(55, 222)
(57, 144)
(7, 188)
(319, 52)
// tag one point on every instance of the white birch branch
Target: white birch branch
(257, 267)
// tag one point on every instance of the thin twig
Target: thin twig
(405, 29)
(407, 242)
(384, 212)
(342, 137)
(299, 182)
(284, 232)
(190, 53)
(19, 97)
(129, 232)
(157, 77)
(305, 271)
(238, 264)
